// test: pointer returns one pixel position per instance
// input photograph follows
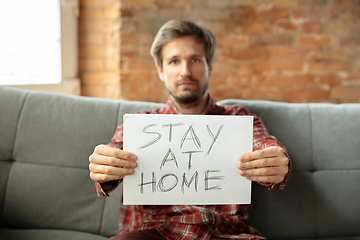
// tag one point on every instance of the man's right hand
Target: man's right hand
(109, 164)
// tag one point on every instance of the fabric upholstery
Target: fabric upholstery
(45, 234)
(46, 191)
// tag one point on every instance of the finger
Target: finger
(111, 161)
(114, 152)
(101, 178)
(265, 162)
(267, 179)
(268, 171)
(109, 170)
(264, 153)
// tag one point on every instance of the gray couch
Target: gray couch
(46, 192)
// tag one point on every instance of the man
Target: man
(184, 54)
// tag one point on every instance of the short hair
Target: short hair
(175, 29)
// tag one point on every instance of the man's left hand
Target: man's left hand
(269, 165)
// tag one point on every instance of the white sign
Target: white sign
(187, 159)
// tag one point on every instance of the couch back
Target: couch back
(46, 139)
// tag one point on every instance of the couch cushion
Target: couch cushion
(336, 136)
(11, 103)
(63, 130)
(42, 234)
(44, 169)
(44, 196)
(292, 208)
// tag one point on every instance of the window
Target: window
(38, 45)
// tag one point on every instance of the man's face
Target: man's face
(185, 71)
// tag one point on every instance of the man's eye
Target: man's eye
(195, 60)
(174, 62)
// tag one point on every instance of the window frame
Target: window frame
(70, 82)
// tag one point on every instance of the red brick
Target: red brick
(312, 3)
(129, 52)
(232, 40)
(98, 3)
(112, 12)
(224, 93)
(280, 66)
(331, 54)
(274, 94)
(328, 80)
(328, 67)
(316, 40)
(353, 79)
(280, 39)
(88, 13)
(346, 94)
(98, 51)
(146, 3)
(343, 3)
(339, 28)
(345, 41)
(100, 78)
(256, 28)
(312, 27)
(112, 38)
(305, 95)
(241, 67)
(303, 80)
(289, 66)
(309, 53)
(91, 65)
(92, 51)
(238, 14)
(142, 64)
(243, 81)
(286, 26)
(129, 39)
(310, 13)
(281, 52)
(284, 3)
(143, 93)
(91, 39)
(136, 78)
(348, 14)
(112, 64)
(219, 79)
(112, 91)
(126, 13)
(91, 90)
(273, 14)
(277, 81)
(247, 54)
(99, 25)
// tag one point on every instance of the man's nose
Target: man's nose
(185, 71)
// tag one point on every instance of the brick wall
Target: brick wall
(282, 50)
(99, 48)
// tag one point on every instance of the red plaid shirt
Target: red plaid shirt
(195, 222)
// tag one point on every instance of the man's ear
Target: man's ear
(160, 73)
(210, 70)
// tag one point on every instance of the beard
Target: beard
(191, 98)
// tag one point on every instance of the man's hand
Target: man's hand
(269, 165)
(108, 164)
